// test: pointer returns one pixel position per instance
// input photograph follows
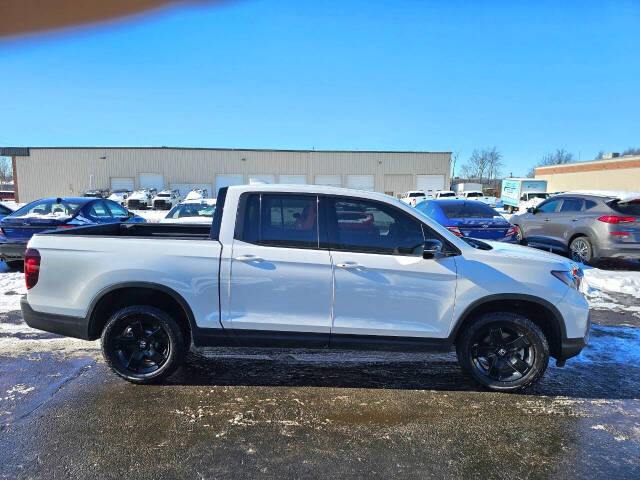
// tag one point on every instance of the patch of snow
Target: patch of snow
(151, 216)
(612, 281)
(12, 287)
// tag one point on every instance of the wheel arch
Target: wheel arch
(541, 312)
(116, 296)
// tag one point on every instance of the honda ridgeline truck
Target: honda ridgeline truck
(306, 266)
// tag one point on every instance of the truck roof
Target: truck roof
(319, 189)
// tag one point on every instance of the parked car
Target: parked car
(466, 218)
(413, 197)
(478, 196)
(585, 226)
(7, 195)
(97, 193)
(373, 274)
(166, 199)
(197, 194)
(192, 211)
(56, 213)
(120, 196)
(141, 199)
(445, 194)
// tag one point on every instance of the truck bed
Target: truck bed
(148, 230)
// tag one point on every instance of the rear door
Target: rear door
(382, 285)
(280, 278)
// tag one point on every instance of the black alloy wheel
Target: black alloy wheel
(142, 344)
(503, 351)
(502, 354)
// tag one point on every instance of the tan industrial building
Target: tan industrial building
(64, 171)
(613, 173)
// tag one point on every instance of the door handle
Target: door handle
(349, 265)
(547, 219)
(249, 258)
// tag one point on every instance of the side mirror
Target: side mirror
(431, 249)
(532, 210)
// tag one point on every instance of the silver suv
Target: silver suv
(587, 226)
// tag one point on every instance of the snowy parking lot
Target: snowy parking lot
(63, 414)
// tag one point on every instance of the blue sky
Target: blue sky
(527, 77)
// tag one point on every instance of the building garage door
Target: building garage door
(430, 183)
(185, 188)
(152, 180)
(330, 180)
(361, 182)
(253, 179)
(293, 179)
(228, 180)
(122, 183)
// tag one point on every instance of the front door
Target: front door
(538, 225)
(382, 285)
(280, 278)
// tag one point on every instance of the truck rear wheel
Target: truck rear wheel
(142, 344)
(503, 351)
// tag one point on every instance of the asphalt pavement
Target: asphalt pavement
(311, 415)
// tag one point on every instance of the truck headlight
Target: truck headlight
(572, 277)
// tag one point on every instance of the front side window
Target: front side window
(550, 206)
(192, 210)
(281, 220)
(372, 227)
(117, 210)
(99, 210)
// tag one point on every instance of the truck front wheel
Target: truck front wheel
(142, 344)
(503, 351)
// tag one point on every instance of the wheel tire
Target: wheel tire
(581, 250)
(519, 237)
(123, 344)
(526, 364)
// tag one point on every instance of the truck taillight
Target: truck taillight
(455, 230)
(616, 219)
(31, 267)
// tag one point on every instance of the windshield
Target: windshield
(447, 194)
(192, 210)
(48, 208)
(416, 194)
(468, 210)
(164, 195)
(474, 194)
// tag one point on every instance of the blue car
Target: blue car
(469, 219)
(49, 213)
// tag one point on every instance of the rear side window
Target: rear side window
(468, 210)
(48, 208)
(371, 227)
(280, 220)
(588, 204)
(571, 205)
(630, 208)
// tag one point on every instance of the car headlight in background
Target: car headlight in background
(572, 277)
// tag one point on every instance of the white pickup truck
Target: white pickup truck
(306, 266)
(478, 196)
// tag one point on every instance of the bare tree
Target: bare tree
(600, 155)
(631, 151)
(559, 157)
(6, 171)
(483, 165)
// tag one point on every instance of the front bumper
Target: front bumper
(570, 347)
(11, 252)
(68, 326)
